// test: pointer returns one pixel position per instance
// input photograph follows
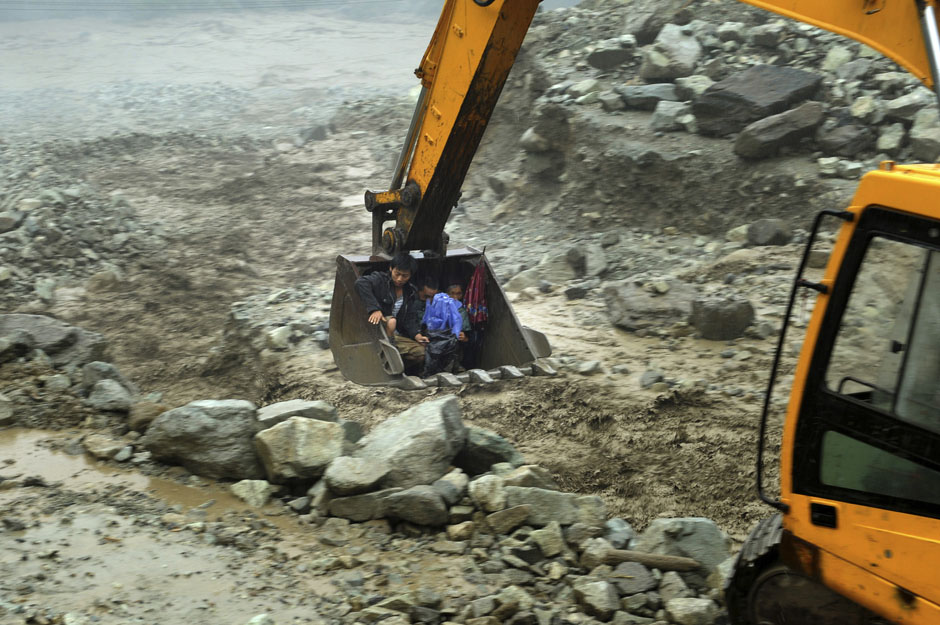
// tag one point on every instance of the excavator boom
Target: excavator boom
(905, 31)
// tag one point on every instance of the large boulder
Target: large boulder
(94, 372)
(485, 448)
(847, 140)
(350, 476)
(674, 54)
(209, 437)
(646, 97)
(421, 505)
(755, 93)
(419, 444)
(633, 307)
(691, 537)
(721, 318)
(109, 395)
(273, 414)
(765, 137)
(645, 19)
(64, 344)
(299, 448)
(925, 136)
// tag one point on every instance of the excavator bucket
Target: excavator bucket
(365, 355)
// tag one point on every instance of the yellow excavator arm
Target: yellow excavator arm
(462, 74)
(899, 29)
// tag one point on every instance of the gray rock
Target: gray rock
(854, 70)
(632, 307)
(94, 372)
(64, 344)
(452, 486)
(769, 232)
(632, 578)
(650, 377)
(609, 54)
(667, 115)
(645, 21)
(847, 140)
(504, 521)
(618, 533)
(209, 437)
(692, 611)
(546, 505)
(598, 598)
(584, 88)
(721, 318)
(253, 492)
(102, 447)
(611, 101)
(111, 396)
(7, 414)
(419, 444)
(672, 586)
(320, 497)
(691, 87)
(421, 505)
(299, 448)
(362, 507)
(768, 35)
(646, 97)
(890, 138)
(765, 137)
(550, 539)
(836, 57)
(531, 141)
(592, 510)
(483, 449)
(925, 136)
(273, 414)
(760, 91)
(587, 260)
(350, 476)
(673, 54)
(693, 537)
(530, 475)
(10, 220)
(488, 493)
(732, 31)
(906, 107)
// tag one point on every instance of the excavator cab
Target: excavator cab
(462, 74)
(365, 355)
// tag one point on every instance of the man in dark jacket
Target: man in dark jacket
(389, 299)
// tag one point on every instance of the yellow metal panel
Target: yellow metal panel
(873, 554)
(873, 545)
(890, 26)
(458, 46)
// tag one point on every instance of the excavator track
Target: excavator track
(762, 590)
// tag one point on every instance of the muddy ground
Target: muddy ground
(200, 140)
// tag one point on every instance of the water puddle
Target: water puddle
(27, 453)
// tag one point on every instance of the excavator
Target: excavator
(856, 534)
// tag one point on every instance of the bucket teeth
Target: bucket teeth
(509, 372)
(447, 379)
(411, 383)
(541, 368)
(480, 376)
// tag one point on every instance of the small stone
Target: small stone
(253, 492)
(504, 521)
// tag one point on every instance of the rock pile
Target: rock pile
(558, 556)
(56, 231)
(782, 85)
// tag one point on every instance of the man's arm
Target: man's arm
(365, 286)
(456, 321)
